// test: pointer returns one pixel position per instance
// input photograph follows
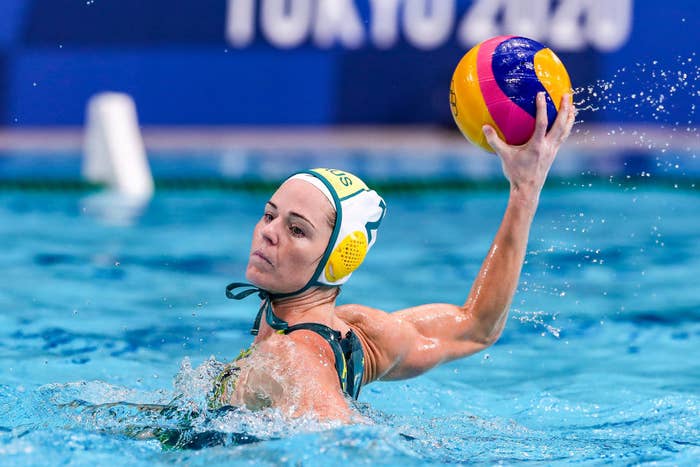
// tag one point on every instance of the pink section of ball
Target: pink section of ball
(515, 124)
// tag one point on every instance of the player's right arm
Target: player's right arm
(411, 341)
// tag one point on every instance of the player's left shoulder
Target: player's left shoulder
(373, 323)
(363, 317)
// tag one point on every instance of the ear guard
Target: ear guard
(359, 211)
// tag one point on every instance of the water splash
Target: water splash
(178, 419)
(537, 319)
(533, 426)
(653, 92)
(646, 90)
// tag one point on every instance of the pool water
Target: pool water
(106, 307)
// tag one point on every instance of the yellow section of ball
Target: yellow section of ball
(467, 103)
(553, 75)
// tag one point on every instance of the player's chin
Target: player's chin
(273, 281)
(258, 277)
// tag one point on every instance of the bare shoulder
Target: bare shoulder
(294, 373)
(377, 326)
(363, 317)
(385, 337)
(304, 349)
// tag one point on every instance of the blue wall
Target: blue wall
(177, 60)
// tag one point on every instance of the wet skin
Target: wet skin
(296, 373)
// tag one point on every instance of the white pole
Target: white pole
(114, 152)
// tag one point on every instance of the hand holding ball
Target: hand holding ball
(496, 84)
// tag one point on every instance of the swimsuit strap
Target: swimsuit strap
(349, 356)
(346, 350)
(355, 360)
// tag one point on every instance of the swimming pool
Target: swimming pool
(598, 362)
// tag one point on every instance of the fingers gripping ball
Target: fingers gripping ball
(496, 83)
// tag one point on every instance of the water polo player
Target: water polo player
(309, 355)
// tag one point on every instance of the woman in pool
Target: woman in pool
(309, 355)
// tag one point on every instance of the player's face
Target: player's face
(290, 238)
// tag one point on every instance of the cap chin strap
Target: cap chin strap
(266, 307)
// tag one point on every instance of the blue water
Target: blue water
(598, 362)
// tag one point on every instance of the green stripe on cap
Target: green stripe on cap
(342, 184)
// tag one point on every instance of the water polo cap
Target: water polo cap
(359, 211)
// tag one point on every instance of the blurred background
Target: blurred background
(223, 87)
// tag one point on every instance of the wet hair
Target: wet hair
(331, 218)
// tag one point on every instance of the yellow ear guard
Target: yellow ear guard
(346, 257)
(359, 211)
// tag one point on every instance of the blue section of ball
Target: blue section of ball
(513, 64)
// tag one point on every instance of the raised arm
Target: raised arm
(427, 335)
(526, 168)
